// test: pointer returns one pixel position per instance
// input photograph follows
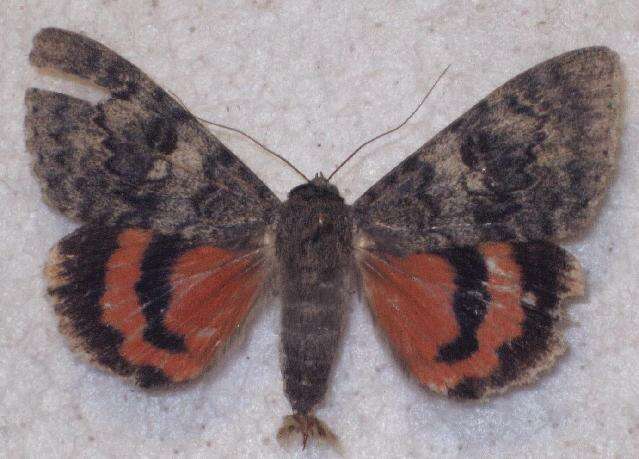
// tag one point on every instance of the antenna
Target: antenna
(252, 139)
(264, 147)
(390, 131)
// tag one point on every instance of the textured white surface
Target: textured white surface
(313, 80)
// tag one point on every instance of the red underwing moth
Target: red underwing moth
(454, 249)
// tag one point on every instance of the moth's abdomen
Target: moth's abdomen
(310, 335)
(314, 251)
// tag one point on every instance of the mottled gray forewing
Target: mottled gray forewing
(529, 162)
(137, 158)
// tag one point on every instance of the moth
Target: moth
(455, 249)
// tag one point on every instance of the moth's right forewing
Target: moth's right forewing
(529, 162)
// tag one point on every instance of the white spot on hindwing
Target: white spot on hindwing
(529, 299)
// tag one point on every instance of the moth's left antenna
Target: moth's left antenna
(390, 131)
(264, 147)
(252, 139)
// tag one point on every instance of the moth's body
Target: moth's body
(314, 250)
(460, 265)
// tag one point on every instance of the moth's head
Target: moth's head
(314, 213)
(316, 189)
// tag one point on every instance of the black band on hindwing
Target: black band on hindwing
(542, 266)
(86, 253)
(154, 291)
(470, 302)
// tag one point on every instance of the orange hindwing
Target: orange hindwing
(470, 321)
(152, 306)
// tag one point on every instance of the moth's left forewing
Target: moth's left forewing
(449, 243)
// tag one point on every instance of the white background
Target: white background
(313, 80)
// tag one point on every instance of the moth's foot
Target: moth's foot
(308, 426)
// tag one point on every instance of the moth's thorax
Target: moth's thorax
(313, 239)
(314, 229)
(314, 251)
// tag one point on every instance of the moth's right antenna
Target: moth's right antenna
(390, 131)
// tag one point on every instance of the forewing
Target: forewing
(471, 321)
(137, 158)
(152, 307)
(531, 161)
